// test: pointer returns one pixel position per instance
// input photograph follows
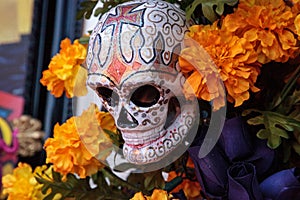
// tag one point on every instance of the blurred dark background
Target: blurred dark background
(22, 61)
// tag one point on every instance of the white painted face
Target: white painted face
(132, 61)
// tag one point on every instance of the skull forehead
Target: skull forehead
(136, 36)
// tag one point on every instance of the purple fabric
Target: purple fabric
(235, 139)
(211, 171)
(231, 169)
(282, 185)
(239, 145)
(242, 182)
(263, 158)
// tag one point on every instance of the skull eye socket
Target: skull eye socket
(108, 96)
(145, 96)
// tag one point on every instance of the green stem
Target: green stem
(108, 173)
(287, 88)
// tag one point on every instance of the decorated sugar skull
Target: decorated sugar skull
(133, 67)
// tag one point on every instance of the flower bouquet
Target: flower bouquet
(199, 100)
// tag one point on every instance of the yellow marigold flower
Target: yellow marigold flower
(234, 57)
(23, 185)
(77, 145)
(157, 194)
(65, 72)
(138, 196)
(270, 25)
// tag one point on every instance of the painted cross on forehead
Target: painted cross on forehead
(125, 15)
(132, 62)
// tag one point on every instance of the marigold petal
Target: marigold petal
(160, 194)
(251, 35)
(138, 196)
(297, 25)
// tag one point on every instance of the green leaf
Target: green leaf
(274, 141)
(154, 180)
(98, 11)
(106, 5)
(256, 120)
(118, 181)
(72, 187)
(208, 8)
(249, 111)
(276, 125)
(84, 40)
(279, 132)
(263, 134)
(86, 9)
(209, 13)
(56, 176)
(115, 137)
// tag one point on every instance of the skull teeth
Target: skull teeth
(142, 139)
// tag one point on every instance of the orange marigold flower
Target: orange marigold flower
(23, 185)
(65, 72)
(270, 25)
(77, 145)
(297, 25)
(203, 78)
(234, 58)
(157, 194)
(190, 188)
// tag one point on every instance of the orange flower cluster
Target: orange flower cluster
(259, 31)
(23, 185)
(65, 72)
(190, 188)
(77, 145)
(229, 58)
(157, 194)
(272, 27)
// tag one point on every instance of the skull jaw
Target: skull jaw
(165, 144)
(147, 154)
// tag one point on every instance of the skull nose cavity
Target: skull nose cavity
(126, 120)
